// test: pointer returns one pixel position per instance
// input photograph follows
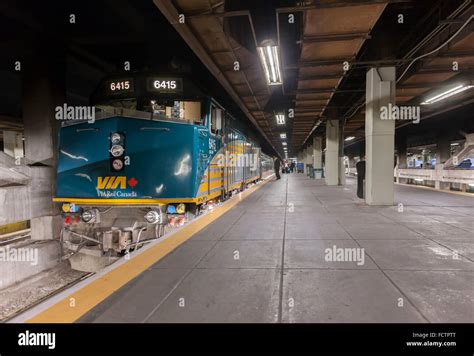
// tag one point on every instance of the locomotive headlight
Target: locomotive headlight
(88, 216)
(152, 217)
(117, 164)
(115, 138)
(116, 150)
(66, 208)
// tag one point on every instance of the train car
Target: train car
(125, 176)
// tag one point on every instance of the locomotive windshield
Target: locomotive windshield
(189, 111)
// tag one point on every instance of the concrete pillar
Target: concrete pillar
(332, 152)
(317, 152)
(43, 90)
(443, 153)
(379, 137)
(425, 154)
(401, 142)
(13, 144)
(401, 151)
(342, 168)
(443, 149)
(303, 159)
(300, 157)
(307, 159)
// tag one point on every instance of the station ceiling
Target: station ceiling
(326, 48)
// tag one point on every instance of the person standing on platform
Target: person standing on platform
(276, 166)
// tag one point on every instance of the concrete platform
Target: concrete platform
(266, 261)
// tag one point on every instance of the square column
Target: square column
(305, 160)
(443, 149)
(443, 153)
(342, 168)
(13, 144)
(332, 152)
(379, 137)
(43, 90)
(300, 157)
(401, 142)
(317, 152)
(309, 158)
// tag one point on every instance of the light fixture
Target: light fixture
(90, 216)
(283, 135)
(280, 119)
(115, 138)
(117, 164)
(349, 138)
(448, 93)
(152, 217)
(283, 143)
(269, 56)
(116, 150)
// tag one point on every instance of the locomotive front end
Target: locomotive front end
(115, 180)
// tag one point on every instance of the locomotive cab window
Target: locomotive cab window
(216, 120)
(188, 111)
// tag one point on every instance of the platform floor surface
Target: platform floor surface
(276, 257)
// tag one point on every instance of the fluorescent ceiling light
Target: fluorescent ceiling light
(280, 119)
(283, 135)
(270, 59)
(350, 138)
(283, 143)
(448, 93)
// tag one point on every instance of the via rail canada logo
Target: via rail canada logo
(112, 186)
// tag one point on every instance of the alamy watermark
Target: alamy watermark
(238, 160)
(21, 254)
(28, 338)
(345, 254)
(82, 113)
(395, 112)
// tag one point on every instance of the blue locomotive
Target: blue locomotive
(128, 175)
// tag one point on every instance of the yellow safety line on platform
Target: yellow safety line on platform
(98, 290)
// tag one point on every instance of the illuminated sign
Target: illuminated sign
(165, 85)
(120, 86)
